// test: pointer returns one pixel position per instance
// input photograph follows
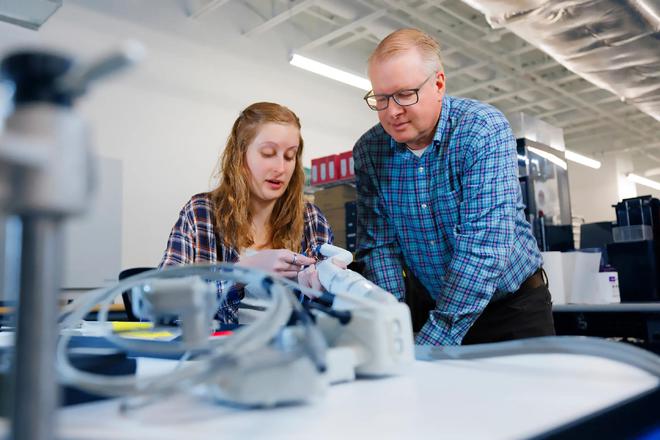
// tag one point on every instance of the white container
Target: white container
(573, 278)
(554, 267)
(608, 287)
(584, 281)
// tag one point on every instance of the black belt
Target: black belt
(537, 279)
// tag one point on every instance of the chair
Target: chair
(126, 295)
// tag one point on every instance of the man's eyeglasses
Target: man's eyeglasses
(403, 97)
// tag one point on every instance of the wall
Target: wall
(645, 190)
(168, 118)
(593, 191)
(93, 241)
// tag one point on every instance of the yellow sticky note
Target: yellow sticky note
(147, 335)
(122, 326)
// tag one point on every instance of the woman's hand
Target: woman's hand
(280, 262)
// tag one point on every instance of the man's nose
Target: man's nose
(393, 109)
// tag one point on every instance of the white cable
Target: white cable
(243, 341)
(581, 345)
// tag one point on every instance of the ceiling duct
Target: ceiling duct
(28, 13)
(614, 44)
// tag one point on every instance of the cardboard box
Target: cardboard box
(339, 207)
(336, 218)
(335, 197)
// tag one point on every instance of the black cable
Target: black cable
(343, 316)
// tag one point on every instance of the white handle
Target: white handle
(330, 251)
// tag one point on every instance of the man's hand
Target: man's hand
(310, 276)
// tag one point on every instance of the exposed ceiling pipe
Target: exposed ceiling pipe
(654, 158)
(611, 43)
(197, 10)
(346, 10)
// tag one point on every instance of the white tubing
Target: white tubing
(241, 343)
(345, 282)
(580, 345)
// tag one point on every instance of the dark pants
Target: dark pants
(526, 313)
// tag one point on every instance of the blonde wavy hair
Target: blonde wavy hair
(231, 199)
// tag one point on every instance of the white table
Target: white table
(647, 307)
(496, 398)
(635, 321)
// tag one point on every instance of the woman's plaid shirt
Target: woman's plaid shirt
(193, 239)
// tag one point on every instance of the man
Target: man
(438, 194)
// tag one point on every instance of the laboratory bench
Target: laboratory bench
(637, 323)
(523, 396)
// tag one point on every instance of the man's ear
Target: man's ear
(440, 83)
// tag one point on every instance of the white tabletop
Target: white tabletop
(645, 307)
(496, 398)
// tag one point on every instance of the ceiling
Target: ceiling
(494, 66)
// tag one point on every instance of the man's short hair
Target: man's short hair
(403, 40)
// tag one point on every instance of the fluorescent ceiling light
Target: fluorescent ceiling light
(648, 9)
(551, 157)
(330, 72)
(643, 181)
(582, 160)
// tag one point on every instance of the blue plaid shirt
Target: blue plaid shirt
(454, 216)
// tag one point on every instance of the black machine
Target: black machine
(596, 235)
(635, 252)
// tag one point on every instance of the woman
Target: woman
(256, 217)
